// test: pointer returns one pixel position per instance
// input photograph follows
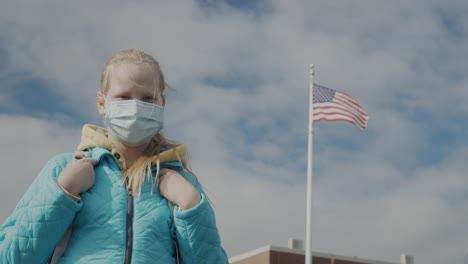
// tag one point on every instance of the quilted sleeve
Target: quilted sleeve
(197, 234)
(39, 220)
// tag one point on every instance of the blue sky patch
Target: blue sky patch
(451, 22)
(241, 81)
(255, 7)
(36, 98)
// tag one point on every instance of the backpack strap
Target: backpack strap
(63, 243)
(171, 210)
(174, 236)
(61, 246)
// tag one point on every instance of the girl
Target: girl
(127, 195)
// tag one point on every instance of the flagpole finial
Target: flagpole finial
(311, 66)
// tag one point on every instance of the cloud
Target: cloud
(28, 143)
(398, 212)
(241, 106)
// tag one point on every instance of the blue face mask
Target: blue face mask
(133, 122)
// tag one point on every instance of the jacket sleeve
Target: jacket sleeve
(39, 220)
(197, 234)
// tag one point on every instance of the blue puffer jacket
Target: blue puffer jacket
(105, 227)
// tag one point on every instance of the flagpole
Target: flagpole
(308, 249)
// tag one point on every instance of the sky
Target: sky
(240, 73)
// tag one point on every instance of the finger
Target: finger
(164, 170)
(162, 175)
(77, 157)
(92, 161)
(80, 155)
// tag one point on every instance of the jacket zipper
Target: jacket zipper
(129, 229)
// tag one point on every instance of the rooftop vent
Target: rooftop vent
(295, 244)
(405, 259)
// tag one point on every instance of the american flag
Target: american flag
(332, 105)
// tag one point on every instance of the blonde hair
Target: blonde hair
(141, 169)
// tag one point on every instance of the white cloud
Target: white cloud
(27, 144)
(245, 145)
(397, 213)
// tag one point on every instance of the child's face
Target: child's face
(131, 82)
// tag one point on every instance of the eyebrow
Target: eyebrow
(121, 93)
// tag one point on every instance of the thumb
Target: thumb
(92, 161)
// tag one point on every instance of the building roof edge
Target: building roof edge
(250, 253)
(302, 252)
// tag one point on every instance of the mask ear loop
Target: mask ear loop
(154, 98)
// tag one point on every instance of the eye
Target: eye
(148, 99)
(123, 97)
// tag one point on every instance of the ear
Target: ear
(101, 103)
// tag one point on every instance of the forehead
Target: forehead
(129, 76)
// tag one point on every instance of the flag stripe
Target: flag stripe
(337, 113)
(318, 114)
(332, 105)
(350, 111)
(347, 98)
(339, 119)
(341, 107)
(340, 114)
(346, 103)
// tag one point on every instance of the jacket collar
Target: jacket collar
(94, 138)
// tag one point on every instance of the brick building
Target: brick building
(295, 254)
